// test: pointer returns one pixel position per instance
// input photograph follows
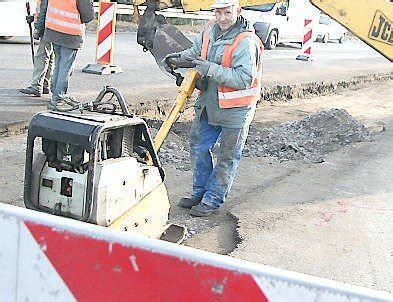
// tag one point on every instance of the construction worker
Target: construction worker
(44, 58)
(228, 56)
(65, 29)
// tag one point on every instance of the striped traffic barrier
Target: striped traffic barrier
(105, 41)
(307, 42)
(50, 258)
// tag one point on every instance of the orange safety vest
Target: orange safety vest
(229, 97)
(63, 16)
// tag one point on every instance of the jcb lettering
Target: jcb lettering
(381, 29)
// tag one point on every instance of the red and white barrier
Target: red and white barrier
(307, 41)
(50, 258)
(106, 32)
(105, 41)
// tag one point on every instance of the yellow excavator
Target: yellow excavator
(98, 164)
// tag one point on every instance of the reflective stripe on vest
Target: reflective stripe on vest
(63, 16)
(239, 93)
(230, 97)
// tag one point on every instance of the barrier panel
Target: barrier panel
(50, 258)
(307, 42)
(105, 41)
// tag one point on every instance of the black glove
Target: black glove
(29, 19)
(167, 61)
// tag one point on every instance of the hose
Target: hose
(97, 105)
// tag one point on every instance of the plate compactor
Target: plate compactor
(98, 166)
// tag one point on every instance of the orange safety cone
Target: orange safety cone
(105, 41)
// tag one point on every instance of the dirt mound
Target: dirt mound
(308, 139)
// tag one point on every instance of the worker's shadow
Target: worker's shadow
(12, 97)
(17, 40)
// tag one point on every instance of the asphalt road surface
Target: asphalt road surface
(142, 80)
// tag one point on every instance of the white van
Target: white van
(13, 18)
(280, 22)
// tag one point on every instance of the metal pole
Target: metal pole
(29, 20)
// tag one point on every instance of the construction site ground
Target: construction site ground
(314, 191)
(330, 219)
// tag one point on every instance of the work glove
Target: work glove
(176, 60)
(202, 66)
(165, 60)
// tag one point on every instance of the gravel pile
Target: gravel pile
(175, 150)
(308, 139)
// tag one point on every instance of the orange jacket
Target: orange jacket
(63, 16)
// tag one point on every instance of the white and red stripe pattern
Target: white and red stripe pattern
(106, 32)
(307, 41)
(50, 258)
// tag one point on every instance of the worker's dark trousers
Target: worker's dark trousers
(213, 182)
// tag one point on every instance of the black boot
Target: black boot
(189, 202)
(30, 91)
(202, 210)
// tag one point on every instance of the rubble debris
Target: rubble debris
(308, 139)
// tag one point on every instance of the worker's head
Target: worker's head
(226, 12)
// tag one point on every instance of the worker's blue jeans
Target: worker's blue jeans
(213, 182)
(64, 62)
